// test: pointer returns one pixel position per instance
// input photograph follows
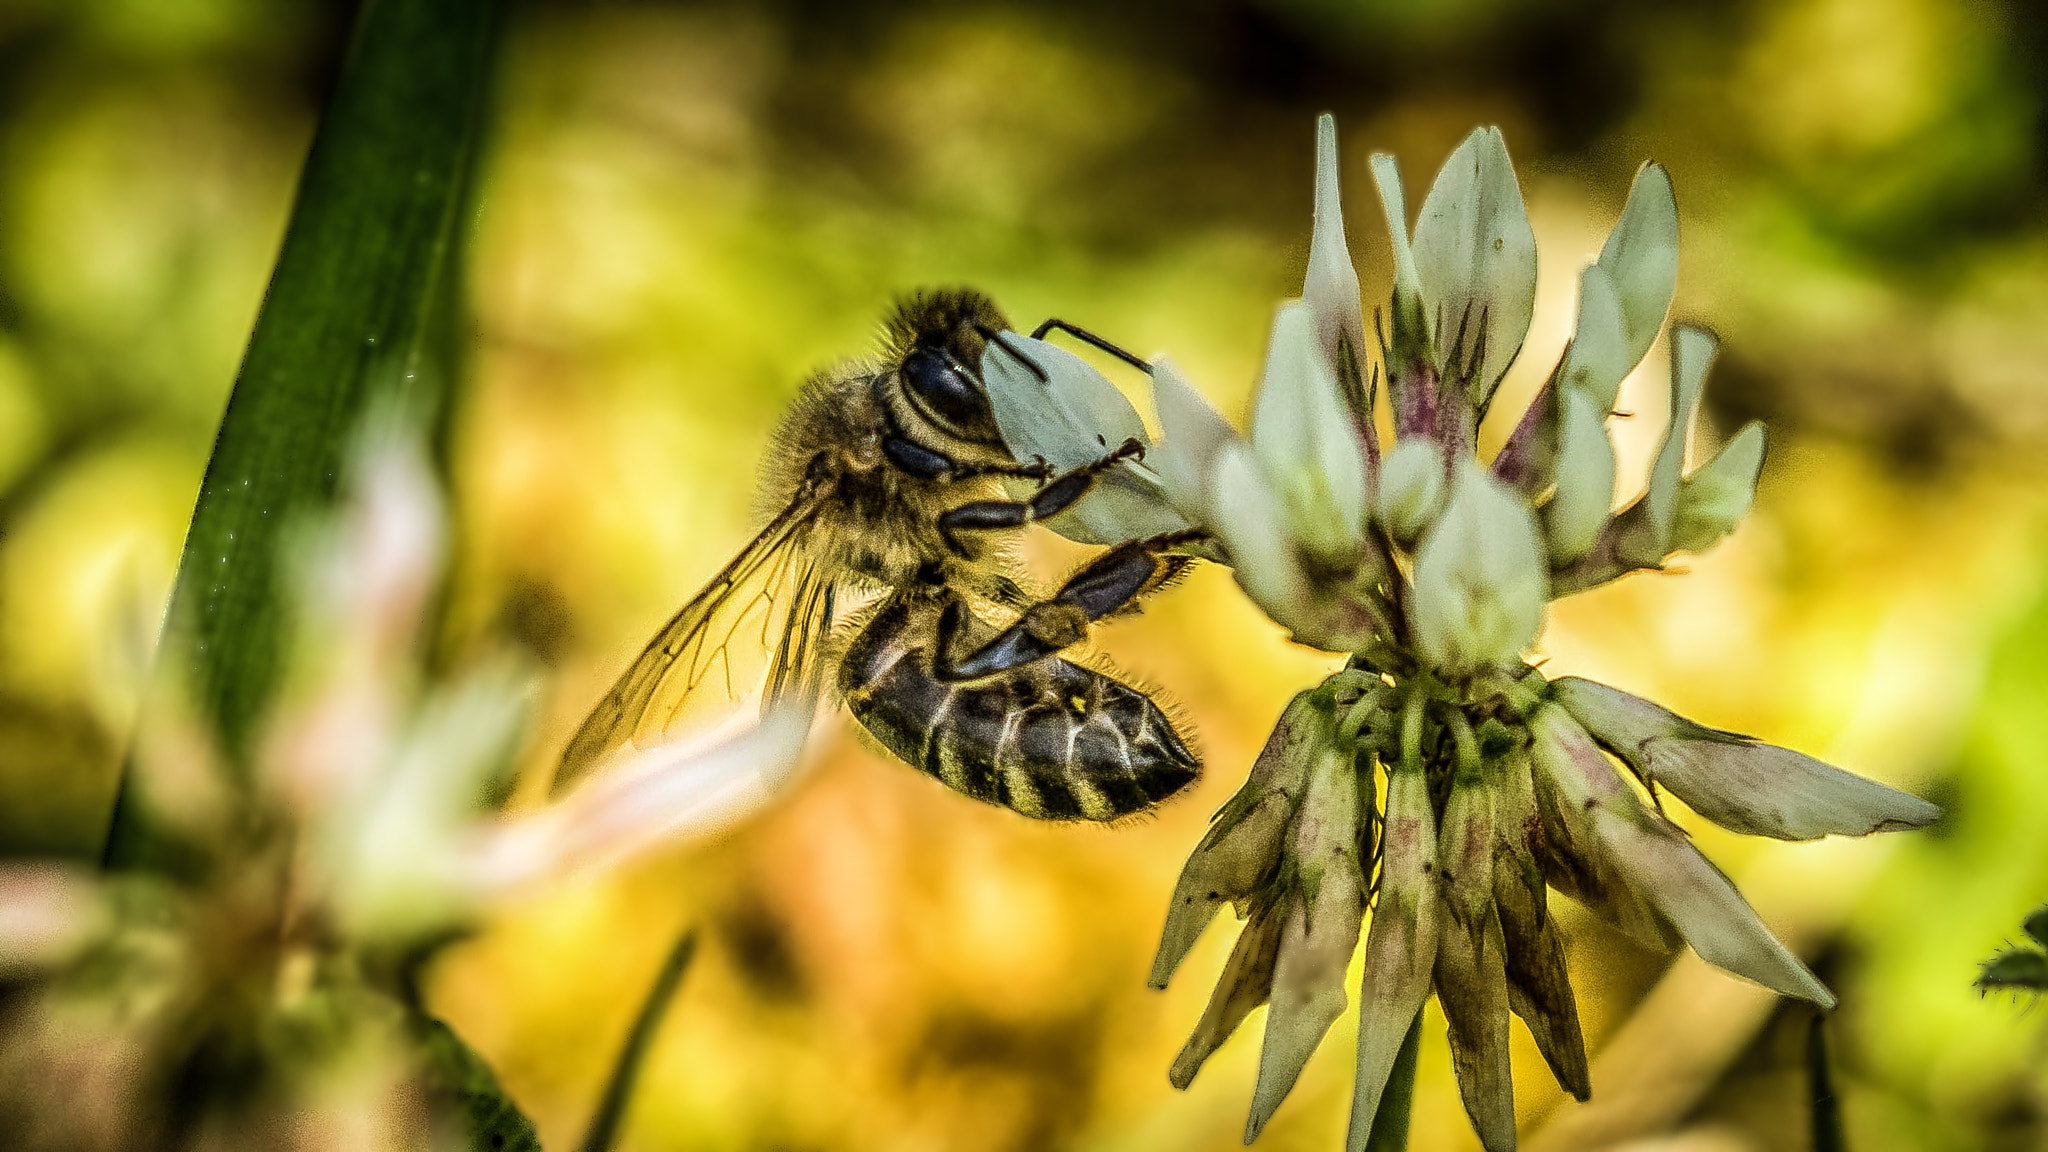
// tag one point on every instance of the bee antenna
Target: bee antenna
(1084, 335)
(1003, 340)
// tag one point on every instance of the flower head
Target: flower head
(1432, 567)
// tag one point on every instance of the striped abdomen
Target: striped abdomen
(1050, 739)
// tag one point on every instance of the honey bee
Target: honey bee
(887, 479)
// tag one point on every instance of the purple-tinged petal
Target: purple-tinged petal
(1739, 783)
(1321, 930)
(1400, 946)
(1241, 850)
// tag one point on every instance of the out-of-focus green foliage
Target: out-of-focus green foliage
(691, 207)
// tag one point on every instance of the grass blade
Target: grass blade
(365, 276)
(618, 1090)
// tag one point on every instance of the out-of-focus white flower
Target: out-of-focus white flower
(48, 914)
(385, 779)
(362, 833)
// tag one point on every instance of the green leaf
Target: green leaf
(2015, 969)
(2036, 926)
(454, 1073)
(357, 314)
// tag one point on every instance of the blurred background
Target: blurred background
(691, 207)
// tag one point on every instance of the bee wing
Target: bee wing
(773, 571)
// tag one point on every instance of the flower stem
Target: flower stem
(618, 1089)
(1827, 1107)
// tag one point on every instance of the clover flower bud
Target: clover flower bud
(1470, 966)
(1411, 488)
(1401, 944)
(1624, 295)
(1585, 478)
(1237, 854)
(1713, 500)
(1321, 929)
(1305, 441)
(1330, 288)
(1475, 256)
(1480, 576)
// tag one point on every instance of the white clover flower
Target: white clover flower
(1432, 567)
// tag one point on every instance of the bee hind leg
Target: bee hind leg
(1111, 584)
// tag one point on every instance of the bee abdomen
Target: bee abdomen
(1050, 740)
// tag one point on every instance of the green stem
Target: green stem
(1828, 1135)
(618, 1090)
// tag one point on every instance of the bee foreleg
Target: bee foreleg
(1059, 494)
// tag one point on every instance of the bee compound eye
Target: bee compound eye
(947, 394)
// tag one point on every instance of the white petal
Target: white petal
(1252, 522)
(1386, 175)
(1476, 258)
(1481, 581)
(1585, 478)
(1305, 440)
(1192, 436)
(1597, 359)
(1713, 500)
(1069, 418)
(1654, 858)
(1641, 255)
(1623, 297)
(1072, 418)
(1320, 933)
(1411, 488)
(674, 791)
(1331, 285)
(1741, 784)
(1692, 353)
(1400, 948)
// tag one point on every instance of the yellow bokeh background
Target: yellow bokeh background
(688, 209)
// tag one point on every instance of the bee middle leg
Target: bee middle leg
(1111, 584)
(1056, 496)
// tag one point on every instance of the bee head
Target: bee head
(935, 343)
